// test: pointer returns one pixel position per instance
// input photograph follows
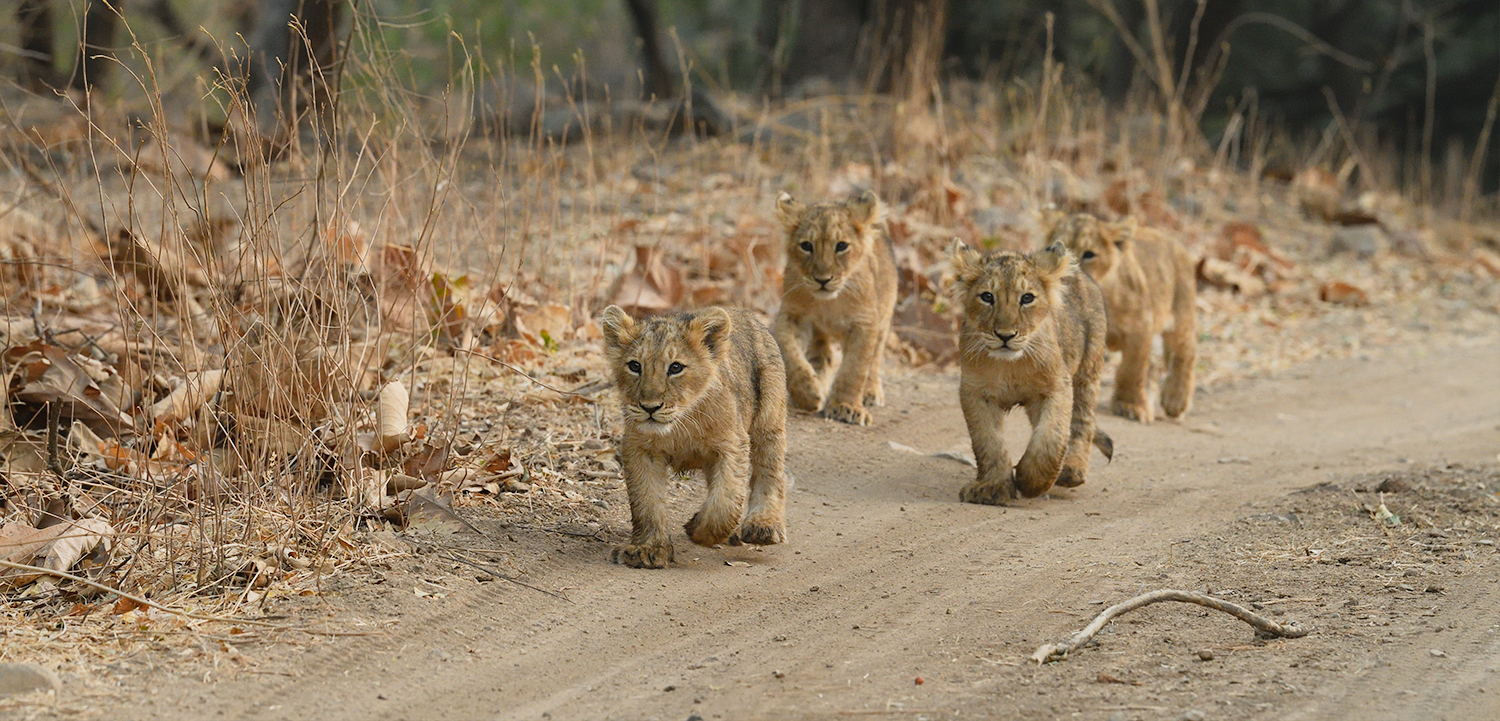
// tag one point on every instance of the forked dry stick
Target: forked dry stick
(1263, 625)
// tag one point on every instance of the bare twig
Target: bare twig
(504, 577)
(1263, 626)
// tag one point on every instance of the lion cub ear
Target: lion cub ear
(1121, 233)
(864, 208)
(1053, 262)
(617, 326)
(788, 210)
(965, 261)
(710, 325)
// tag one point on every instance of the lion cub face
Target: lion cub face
(662, 366)
(1006, 296)
(826, 242)
(1097, 245)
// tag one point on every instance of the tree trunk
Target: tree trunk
(884, 46)
(660, 80)
(96, 43)
(35, 20)
(280, 58)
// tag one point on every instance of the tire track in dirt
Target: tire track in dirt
(909, 582)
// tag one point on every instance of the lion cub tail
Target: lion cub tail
(1105, 444)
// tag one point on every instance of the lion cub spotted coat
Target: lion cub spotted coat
(1150, 289)
(839, 290)
(703, 390)
(1032, 336)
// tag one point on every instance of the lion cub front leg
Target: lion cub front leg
(802, 386)
(765, 517)
(717, 520)
(646, 480)
(993, 485)
(846, 401)
(1051, 419)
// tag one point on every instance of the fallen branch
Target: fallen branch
(1263, 626)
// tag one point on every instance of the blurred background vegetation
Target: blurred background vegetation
(1416, 76)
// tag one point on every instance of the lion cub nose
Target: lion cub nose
(823, 281)
(651, 409)
(1004, 337)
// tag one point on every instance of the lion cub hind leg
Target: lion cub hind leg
(846, 400)
(1180, 347)
(717, 520)
(874, 389)
(1130, 399)
(650, 542)
(765, 516)
(993, 484)
(803, 388)
(822, 357)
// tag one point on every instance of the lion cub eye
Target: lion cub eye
(675, 368)
(1087, 254)
(1027, 299)
(841, 247)
(806, 247)
(633, 367)
(987, 298)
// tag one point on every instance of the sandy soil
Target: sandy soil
(894, 600)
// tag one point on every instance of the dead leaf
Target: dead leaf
(649, 286)
(544, 326)
(1342, 293)
(58, 548)
(87, 389)
(391, 411)
(1225, 275)
(193, 394)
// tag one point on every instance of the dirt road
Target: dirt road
(887, 579)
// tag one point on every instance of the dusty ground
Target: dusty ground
(1264, 496)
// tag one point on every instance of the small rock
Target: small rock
(1393, 485)
(695, 717)
(18, 678)
(1411, 572)
(920, 681)
(814, 589)
(778, 674)
(600, 502)
(1194, 715)
(1437, 653)
(669, 689)
(1361, 241)
(1205, 655)
(1434, 589)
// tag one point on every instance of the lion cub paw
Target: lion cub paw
(803, 398)
(1134, 411)
(987, 493)
(875, 398)
(644, 556)
(760, 534)
(707, 534)
(1070, 477)
(853, 415)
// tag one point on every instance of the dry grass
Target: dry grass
(392, 243)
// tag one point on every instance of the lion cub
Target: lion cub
(700, 390)
(1150, 289)
(1032, 336)
(839, 289)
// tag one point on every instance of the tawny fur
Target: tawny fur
(1149, 287)
(1032, 336)
(699, 391)
(838, 293)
